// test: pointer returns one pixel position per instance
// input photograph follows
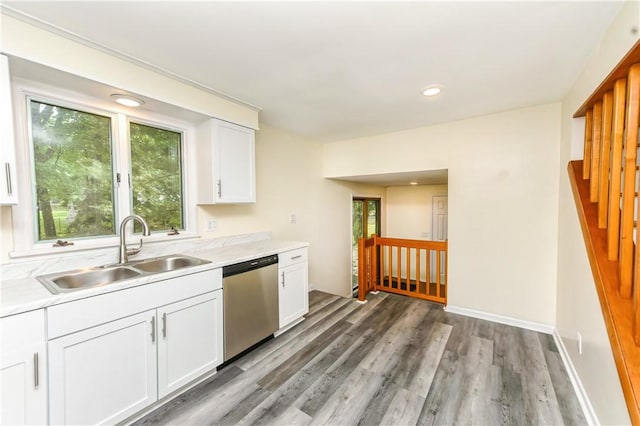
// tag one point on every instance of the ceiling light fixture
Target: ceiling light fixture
(413, 183)
(431, 91)
(127, 100)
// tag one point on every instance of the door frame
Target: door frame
(362, 197)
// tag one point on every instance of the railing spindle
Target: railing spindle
(596, 144)
(605, 155)
(629, 182)
(613, 227)
(588, 135)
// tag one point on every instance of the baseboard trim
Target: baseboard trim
(528, 325)
(583, 398)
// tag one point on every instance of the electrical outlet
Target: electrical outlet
(293, 218)
(212, 225)
(579, 343)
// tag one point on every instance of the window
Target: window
(72, 163)
(156, 176)
(83, 184)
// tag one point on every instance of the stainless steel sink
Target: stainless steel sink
(108, 274)
(168, 263)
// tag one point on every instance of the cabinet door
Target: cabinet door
(190, 341)
(234, 163)
(8, 192)
(293, 297)
(23, 369)
(103, 374)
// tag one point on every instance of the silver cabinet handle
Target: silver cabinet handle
(282, 278)
(164, 325)
(153, 329)
(220, 188)
(36, 370)
(296, 257)
(7, 171)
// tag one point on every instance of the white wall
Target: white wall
(503, 192)
(578, 308)
(289, 180)
(409, 210)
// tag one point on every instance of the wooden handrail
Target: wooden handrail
(382, 266)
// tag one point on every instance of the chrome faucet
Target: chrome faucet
(124, 251)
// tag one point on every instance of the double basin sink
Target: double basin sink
(62, 282)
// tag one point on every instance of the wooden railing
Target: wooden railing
(415, 268)
(606, 193)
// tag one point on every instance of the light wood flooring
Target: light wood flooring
(392, 361)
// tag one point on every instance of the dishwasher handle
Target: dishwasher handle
(250, 265)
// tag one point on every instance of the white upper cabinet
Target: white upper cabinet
(8, 191)
(226, 163)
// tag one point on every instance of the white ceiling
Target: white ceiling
(336, 70)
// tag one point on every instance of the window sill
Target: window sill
(46, 249)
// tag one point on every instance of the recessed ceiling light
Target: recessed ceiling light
(431, 91)
(413, 183)
(127, 100)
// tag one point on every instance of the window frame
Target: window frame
(24, 213)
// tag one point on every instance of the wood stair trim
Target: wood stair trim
(619, 71)
(616, 310)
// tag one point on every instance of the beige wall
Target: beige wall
(578, 308)
(409, 210)
(289, 180)
(503, 192)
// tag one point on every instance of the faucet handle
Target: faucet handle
(135, 250)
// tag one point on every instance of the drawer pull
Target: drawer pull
(36, 370)
(164, 325)
(296, 257)
(7, 171)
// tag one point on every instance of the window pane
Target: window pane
(73, 172)
(156, 165)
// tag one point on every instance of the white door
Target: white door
(190, 341)
(103, 374)
(439, 232)
(23, 373)
(292, 293)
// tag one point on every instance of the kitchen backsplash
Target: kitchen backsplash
(76, 260)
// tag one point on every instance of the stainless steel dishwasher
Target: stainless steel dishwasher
(250, 303)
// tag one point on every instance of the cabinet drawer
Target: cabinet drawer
(290, 257)
(84, 313)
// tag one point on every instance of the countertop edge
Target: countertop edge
(28, 294)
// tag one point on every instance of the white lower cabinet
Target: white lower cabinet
(103, 374)
(23, 373)
(190, 340)
(293, 288)
(113, 355)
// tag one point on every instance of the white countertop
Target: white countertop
(27, 294)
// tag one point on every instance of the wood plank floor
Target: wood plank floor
(391, 361)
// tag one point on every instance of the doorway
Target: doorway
(365, 222)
